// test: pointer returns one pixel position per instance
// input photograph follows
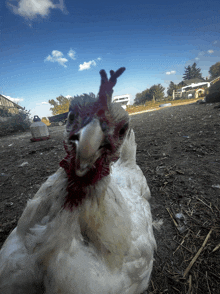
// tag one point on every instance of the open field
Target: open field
(151, 105)
(179, 153)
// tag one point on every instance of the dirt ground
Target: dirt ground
(179, 153)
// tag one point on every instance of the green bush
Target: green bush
(14, 123)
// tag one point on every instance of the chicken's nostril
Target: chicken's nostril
(74, 137)
(106, 145)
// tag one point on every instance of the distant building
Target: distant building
(124, 100)
(193, 84)
(10, 106)
(192, 81)
(194, 88)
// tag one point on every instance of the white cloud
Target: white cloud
(68, 96)
(57, 56)
(210, 51)
(16, 100)
(197, 58)
(87, 65)
(215, 42)
(31, 8)
(172, 72)
(40, 103)
(72, 54)
(99, 58)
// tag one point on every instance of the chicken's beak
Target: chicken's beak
(88, 147)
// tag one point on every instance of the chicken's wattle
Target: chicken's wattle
(77, 186)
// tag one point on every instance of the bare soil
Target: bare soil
(179, 153)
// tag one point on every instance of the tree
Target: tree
(187, 75)
(215, 70)
(172, 87)
(142, 97)
(62, 103)
(138, 99)
(60, 106)
(192, 72)
(156, 91)
(196, 72)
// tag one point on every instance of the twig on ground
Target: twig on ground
(197, 254)
(204, 203)
(181, 244)
(190, 285)
(216, 248)
(207, 282)
(175, 223)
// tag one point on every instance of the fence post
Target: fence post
(173, 94)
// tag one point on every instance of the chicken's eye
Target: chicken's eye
(104, 126)
(123, 130)
(71, 116)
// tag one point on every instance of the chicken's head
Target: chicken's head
(95, 130)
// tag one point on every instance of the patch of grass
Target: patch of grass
(155, 105)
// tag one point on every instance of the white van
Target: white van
(124, 100)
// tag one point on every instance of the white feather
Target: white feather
(104, 246)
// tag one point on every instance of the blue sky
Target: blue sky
(57, 47)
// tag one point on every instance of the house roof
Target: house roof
(192, 81)
(15, 104)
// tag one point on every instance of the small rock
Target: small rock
(23, 164)
(216, 186)
(9, 204)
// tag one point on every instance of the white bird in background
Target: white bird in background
(88, 229)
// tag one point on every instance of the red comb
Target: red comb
(106, 87)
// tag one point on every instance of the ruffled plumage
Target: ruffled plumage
(105, 245)
(88, 229)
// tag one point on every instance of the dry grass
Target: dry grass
(198, 242)
(155, 105)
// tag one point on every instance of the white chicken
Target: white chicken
(88, 229)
